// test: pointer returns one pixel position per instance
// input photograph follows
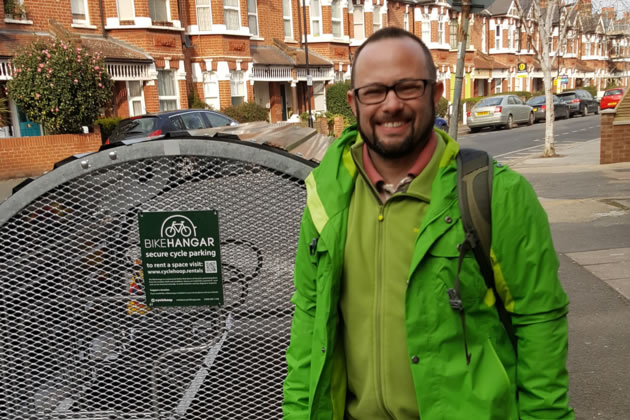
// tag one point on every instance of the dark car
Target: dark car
(612, 97)
(159, 125)
(539, 103)
(441, 123)
(580, 102)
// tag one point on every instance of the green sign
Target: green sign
(181, 258)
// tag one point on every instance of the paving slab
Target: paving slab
(621, 285)
(602, 256)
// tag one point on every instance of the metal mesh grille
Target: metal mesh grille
(79, 343)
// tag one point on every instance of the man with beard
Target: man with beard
(374, 335)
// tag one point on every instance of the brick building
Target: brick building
(160, 52)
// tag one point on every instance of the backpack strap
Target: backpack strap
(474, 190)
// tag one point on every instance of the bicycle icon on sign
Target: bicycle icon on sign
(182, 226)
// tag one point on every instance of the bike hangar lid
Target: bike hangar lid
(214, 217)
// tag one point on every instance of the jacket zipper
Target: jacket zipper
(378, 314)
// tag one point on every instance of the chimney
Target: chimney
(608, 12)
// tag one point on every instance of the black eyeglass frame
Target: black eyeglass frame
(427, 82)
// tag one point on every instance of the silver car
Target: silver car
(499, 111)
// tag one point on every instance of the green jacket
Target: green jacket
(496, 384)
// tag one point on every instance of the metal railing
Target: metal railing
(271, 73)
(128, 71)
(5, 70)
(317, 73)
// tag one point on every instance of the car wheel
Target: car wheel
(597, 110)
(510, 122)
(531, 119)
(585, 111)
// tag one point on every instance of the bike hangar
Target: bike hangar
(80, 340)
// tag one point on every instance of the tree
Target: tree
(59, 85)
(553, 19)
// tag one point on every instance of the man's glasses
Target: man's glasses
(405, 89)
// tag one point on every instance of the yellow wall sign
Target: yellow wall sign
(522, 67)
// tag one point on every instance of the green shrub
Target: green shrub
(107, 125)
(612, 83)
(523, 94)
(336, 101)
(592, 90)
(195, 102)
(60, 85)
(247, 112)
(442, 108)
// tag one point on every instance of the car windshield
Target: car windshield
(567, 96)
(136, 127)
(613, 92)
(538, 100)
(490, 102)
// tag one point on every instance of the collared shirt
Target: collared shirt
(387, 190)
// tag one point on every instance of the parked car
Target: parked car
(612, 97)
(580, 102)
(499, 111)
(539, 103)
(159, 125)
(441, 123)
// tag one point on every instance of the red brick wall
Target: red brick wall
(32, 156)
(151, 100)
(225, 94)
(615, 140)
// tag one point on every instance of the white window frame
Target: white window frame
(86, 19)
(287, 18)
(498, 39)
(587, 48)
(377, 19)
(509, 84)
(128, 3)
(200, 9)
(236, 9)
(168, 10)
(453, 23)
(498, 87)
(237, 80)
(316, 21)
(358, 11)
(510, 39)
(169, 97)
(209, 97)
(255, 15)
(441, 31)
(406, 21)
(339, 20)
(132, 99)
(426, 29)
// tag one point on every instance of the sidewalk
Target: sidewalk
(588, 205)
(577, 193)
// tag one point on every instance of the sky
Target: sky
(620, 5)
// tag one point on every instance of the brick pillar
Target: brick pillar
(151, 101)
(339, 126)
(183, 94)
(225, 94)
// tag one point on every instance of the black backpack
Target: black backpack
(474, 190)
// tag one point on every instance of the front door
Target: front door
(27, 127)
